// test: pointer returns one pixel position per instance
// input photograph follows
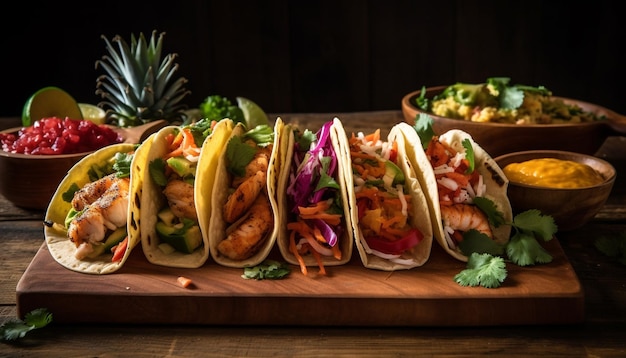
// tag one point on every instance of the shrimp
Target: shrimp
(243, 197)
(107, 212)
(180, 198)
(464, 217)
(246, 239)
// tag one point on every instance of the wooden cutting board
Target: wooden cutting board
(349, 295)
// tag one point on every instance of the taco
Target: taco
(89, 227)
(170, 227)
(467, 190)
(389, 212)
(312, 197)
(244, 224)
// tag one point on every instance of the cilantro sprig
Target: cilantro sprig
(268, 269)
(613, 246)
(523, 249)
(17, 328)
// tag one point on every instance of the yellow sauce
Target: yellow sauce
(553, 173)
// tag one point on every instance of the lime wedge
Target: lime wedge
(92, 112)
(253, 114)
(50, 102)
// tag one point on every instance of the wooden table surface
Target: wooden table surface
(602, 334)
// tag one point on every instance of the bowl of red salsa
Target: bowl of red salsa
(34, 159)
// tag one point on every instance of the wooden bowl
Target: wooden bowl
(502, 138)
(29, 181)
(570, 208)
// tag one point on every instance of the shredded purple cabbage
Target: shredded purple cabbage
(306, 172)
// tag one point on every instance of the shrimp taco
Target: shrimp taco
(89, 226)
(389, 212)
(312, 197)
(243, 222)
(170, 228)
(467, 190)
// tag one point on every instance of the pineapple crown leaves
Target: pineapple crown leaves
(140, 85)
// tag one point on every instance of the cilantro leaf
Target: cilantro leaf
(495, 216)
(326, 181)
(269, 269)
(533, 221)
(239, 154)
(477, 242)
(482, 270)
(469, 154)
(122, 164)
(157, 171)
(304, 141)
(614, 247)
(424, 128)
(524, 250)
(511, 98)
(262, 135)
(16, 328)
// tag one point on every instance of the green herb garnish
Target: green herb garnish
(268, 270)
(16, 328)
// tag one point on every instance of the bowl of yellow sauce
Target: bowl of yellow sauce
(570, 187)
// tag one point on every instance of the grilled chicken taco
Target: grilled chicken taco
(89, 226)
(467, 190)
(389, 211)
(170, 228)
(244, 224)
(312, 197)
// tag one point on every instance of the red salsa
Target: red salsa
(54, 135)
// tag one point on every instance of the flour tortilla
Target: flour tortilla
(495, 181)
(59, 245)
(419, 217)
(218, 226)
(286, 142)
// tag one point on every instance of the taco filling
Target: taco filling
(174, 173)
(247, 209)
(382, 200)
(314, 199)
(96, 222)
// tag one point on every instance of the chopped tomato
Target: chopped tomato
(119, 250)
(395, 247)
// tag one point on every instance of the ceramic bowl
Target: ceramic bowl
(501, 138)
(570, 208)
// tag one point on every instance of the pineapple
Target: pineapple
(139, 85)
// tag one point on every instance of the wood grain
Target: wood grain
(350, 295)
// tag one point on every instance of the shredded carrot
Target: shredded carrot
(186, 145)
(320, 264)
(336, 252)
(319, 207)
(294, 251)
(372, 137)
(184, 281)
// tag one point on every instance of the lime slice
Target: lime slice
(50, 102)
(253, 114)
(92, 112)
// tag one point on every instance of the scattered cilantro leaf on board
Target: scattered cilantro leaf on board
(523, 249)
(17, 328)
(268, 270)
(482, 270)
(613, 246)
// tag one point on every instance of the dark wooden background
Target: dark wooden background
(324, 56)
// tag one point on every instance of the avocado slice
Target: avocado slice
(113, 239)
(181, 237)
(182, 166)
(393, 174)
